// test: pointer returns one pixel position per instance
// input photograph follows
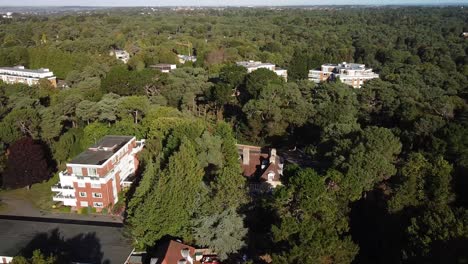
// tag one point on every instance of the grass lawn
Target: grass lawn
(3, 206)
(38, 195)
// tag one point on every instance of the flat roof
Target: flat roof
(100, 152)
(41, 70)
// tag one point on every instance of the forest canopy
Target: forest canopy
(382, 175)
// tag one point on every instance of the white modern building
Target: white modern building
(163, 67)
(121, 55)
(352, 74)
(184, 58)
(19, 74)
(255, 65)
(8, 15)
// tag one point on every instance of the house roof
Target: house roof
(257, 158)
(275, 168)
(170, 252)
(100, 152)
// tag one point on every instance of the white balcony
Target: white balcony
(59, 188)
(139, 146)
(63, 198)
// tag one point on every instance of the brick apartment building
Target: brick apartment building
(96, 176)
(352, 74)
(19, 74)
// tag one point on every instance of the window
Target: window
(98, 204)
(81, 184)
(271, 176)
(82, 194)
(92, 172)
(97, 195)
(84, 204)
(94, 178)
(77, 171)
(96, 185)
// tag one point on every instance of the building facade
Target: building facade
(121, 55)
(352, 74)
(96, 176)
(185, 58)
(19, 74)
(255, 65)
(163, 67)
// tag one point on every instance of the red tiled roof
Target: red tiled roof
(173, 254)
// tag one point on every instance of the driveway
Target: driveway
(68, 240)
(19, 207)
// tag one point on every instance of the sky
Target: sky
(219, 2)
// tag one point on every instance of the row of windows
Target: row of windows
(93, 185)
(95, 204)
(95, 195)
(78, 171)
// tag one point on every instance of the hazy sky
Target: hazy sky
(215, 2)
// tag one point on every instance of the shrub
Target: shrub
(65, 209)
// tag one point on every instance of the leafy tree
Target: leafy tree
(173, 199)
(313, 224)
(27, 164)
(37, 258)
(224, 233)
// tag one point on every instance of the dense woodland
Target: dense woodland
(386, 173)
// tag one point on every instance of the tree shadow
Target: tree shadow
(84, 248)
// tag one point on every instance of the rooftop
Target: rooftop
(170, 252)
(22, 69)
(100, 152)
(253, 64)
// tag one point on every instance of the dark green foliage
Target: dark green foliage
(390, 159)
(26, 164)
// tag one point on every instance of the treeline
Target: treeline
(388, 162)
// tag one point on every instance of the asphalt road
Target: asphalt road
(77, 241)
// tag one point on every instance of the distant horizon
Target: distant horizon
(223, 3)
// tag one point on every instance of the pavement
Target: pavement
(19, 207)
(69, 240)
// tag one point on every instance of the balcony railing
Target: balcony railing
(59, 188)
(60, 197)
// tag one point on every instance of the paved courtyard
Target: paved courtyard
(69, 240)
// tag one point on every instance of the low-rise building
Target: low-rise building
(184, 58)
(352, 74)
(255, 65)
(163, 67)
(8, 15)
(121, 55)
(19, 74)
(96, 176)
(464, 34)
(261, 165)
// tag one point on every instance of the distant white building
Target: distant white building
(352, 74)
(163, 67)
(122, 55)
(255, 65)
(19, 74)
(8, 15)
(184, 58)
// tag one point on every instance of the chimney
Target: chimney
(273, 155)
(246, 156)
